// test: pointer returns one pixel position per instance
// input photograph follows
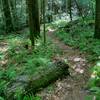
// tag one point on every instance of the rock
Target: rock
(77, 59)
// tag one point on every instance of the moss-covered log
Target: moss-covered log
(31, 84)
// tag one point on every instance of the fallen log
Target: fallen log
(31, 84)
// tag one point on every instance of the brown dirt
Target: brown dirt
(71, 87)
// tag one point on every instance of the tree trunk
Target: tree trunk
(31, 84)
(44, 21)
(97, 20)
(14, 15)
(34, 22)
(79, 9)
(7, 15)
(69, 9)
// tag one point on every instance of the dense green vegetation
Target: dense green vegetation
(22, 60)
(77, 36)
(36, 35)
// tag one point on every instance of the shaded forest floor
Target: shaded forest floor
(16, 59)
(78, 47)
(71, 87)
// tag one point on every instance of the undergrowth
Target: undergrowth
(22, 60)
(79, 35)
(94, 82)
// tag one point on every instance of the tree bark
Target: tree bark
(32, 84)
(97, 20)
(14, 15)
(44, 27)
(69, 9)
(34, 20)
(7, 15)
(79, 9)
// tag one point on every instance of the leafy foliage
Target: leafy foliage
(32, 98)
(23, 60)
(80, 35)
(94, 82)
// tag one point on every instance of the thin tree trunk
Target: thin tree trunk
(70, 8)
(79, 9)
(34, 22)
(97, 20)
(14, 14)
(7, 15)
(44, 21)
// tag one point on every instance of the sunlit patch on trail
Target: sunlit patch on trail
(3, 47)
(3, 50)
(81, 71)
(51, 30)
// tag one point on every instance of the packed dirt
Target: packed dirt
(71, 87)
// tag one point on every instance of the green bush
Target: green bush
(94, 82)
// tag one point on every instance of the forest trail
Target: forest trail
(71, 87)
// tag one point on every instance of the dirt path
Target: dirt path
(71, 87)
